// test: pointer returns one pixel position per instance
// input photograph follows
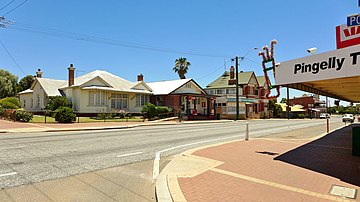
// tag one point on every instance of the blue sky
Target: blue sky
(217, 30)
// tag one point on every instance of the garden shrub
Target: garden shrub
(301, 116)
(57, 102)
(65, 115)
(10, 103)
(163, 112)
(23, 116)
(149, 110)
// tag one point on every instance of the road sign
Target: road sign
(353, 20)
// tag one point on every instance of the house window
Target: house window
(24, 103)
(97, 98)
(38, 101)
(210, 92)
(251, 90)
(119, 101)
(231, 91)
(32, 103)
(141, 99)
(219, 91)
(188, 85)
(256, 92)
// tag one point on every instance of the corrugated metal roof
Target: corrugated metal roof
(115, 82)
(51, 86)
(223, 80)
(166, 87)
(261, 80)
(26, 91)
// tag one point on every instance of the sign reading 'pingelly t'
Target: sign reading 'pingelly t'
(330, 65)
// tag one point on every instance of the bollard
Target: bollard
(247, 131)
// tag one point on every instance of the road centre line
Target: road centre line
(8, 174)
(130, 154)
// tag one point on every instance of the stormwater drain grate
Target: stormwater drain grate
(343, 192)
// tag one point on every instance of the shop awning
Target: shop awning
(334, 74)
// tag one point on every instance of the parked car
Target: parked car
(348, 118)
(324, 116)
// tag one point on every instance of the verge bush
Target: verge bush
(23, 116)
(65, 115)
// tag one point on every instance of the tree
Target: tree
(283, 100)
(57, 102)
(10, 103)
(181, 67)
(8, 83)
(275, 108)
(25, 83)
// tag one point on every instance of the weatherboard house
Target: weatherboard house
(252, 91)
(100, 91)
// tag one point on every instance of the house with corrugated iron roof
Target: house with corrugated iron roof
(95, 92)
(252, 91)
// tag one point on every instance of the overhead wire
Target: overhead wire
(7, 5)
(12, 58)
(15, 7)
(95, 39)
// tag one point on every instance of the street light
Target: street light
(237, 80)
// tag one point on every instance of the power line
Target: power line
(7, 51)
(7, 5)
(15, 7)
(94, 39)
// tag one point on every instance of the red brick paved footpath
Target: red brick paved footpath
(271, 170)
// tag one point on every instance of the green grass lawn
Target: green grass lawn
(49, 119)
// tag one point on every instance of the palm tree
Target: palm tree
(181, 67)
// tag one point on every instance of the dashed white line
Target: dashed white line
(130, 154)
(8, 174)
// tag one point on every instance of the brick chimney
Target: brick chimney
(232, 80)
(140, 77)
(71, 74)
(39, 73)
(232, 72)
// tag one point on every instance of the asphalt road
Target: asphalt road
(35, 157)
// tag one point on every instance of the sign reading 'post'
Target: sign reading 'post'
(330, 65)
(353, 20)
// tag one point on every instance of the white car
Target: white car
(324, 116)
(348, 118)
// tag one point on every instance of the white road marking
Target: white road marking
(130, 154)
(8, 174)
(19, 147)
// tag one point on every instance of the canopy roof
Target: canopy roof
(334, 74)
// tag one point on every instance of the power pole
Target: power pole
(237, 87)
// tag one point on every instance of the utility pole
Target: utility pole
(237, 87)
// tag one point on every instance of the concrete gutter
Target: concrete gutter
(152, 123)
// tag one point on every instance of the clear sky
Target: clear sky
(141, 36)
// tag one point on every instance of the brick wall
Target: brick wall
(172, 101)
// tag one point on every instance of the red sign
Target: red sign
(347, 36)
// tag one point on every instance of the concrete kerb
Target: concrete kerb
(167, 187)
(154, 123)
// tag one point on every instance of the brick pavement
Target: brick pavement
(274, 170)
